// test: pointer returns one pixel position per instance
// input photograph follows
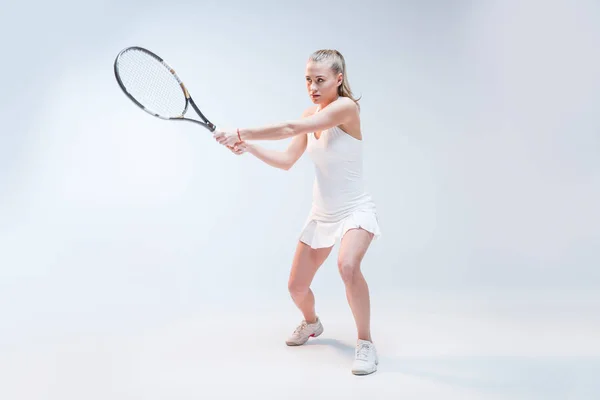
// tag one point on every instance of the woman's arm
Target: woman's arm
(275, 158)
(278, 159)
(336, 113)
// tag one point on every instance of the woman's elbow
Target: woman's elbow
(288, 164)
(291, 129)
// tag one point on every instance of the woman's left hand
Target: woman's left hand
(226, 138)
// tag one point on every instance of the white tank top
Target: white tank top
(338, 188)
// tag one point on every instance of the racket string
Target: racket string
(151, 83)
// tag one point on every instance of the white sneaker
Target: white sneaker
(366, 359)
(303, 332)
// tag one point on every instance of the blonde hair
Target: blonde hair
(338, 65)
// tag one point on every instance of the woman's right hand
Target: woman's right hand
(239, 148)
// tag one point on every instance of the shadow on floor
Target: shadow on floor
(342, 348)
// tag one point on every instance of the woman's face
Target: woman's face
(321, 82)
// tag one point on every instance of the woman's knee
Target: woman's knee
(349, 268)
(297, 289)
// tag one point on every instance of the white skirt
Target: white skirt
(318, 233)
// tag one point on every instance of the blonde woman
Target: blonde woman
(330, 132)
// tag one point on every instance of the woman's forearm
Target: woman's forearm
(283, 130)
(274, 158)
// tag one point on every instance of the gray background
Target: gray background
(481, 151)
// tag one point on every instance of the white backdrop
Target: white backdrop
(481, 151)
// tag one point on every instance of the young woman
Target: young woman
(330, 131)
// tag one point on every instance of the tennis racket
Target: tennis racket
(153, 85)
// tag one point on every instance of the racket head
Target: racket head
(148, 81)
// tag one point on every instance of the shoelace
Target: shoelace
(362, 351)
(301, 327)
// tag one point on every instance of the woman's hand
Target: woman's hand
(226, 138)
(239, 148)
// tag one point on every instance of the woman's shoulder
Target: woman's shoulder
(310, 111)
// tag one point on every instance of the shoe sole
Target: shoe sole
(362, 373)
(314, 335)
(369, 372)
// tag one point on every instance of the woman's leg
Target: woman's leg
(304, 267)
(352, 251)
(306, 263)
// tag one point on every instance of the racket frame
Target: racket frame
(188, 98)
